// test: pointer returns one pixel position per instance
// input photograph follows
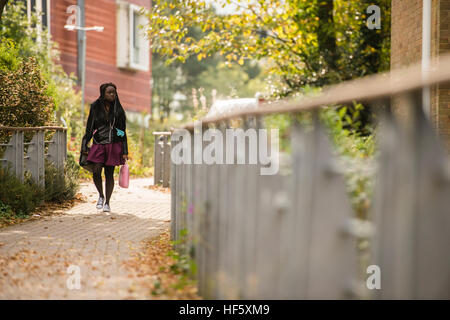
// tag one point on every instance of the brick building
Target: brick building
(120, 54)
(406, 48)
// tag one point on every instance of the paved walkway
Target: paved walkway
(39, 258)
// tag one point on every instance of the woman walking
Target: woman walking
(106, 124)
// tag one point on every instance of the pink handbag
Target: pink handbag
(124, 176)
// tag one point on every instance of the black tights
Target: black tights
(109, 183)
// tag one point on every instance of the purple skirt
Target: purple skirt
(109, 154)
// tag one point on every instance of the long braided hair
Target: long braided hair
(119, 109)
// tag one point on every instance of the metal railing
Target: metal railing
(294, 235)
(162, 158)
(34, 159)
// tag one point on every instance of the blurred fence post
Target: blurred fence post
(411, 210)
(173, 192)
(13, 155)
(34, 160)
(161, 160)
(57, 149)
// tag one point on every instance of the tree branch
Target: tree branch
(2, 6)
(285, 42)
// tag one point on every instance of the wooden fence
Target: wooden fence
(294, 235)
(34, 159)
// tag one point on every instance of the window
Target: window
(35, 6)
(39, 6)
(133, 50)
(135, 37)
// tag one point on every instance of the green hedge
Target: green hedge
(19, 198)
(61, 185)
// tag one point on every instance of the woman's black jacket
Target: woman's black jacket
(105, 125)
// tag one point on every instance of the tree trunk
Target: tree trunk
(326, 34)
(2, 6)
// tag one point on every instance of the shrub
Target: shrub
(25, 98)
(17, 27)
(9, 55)
(21, 197)
(5, 210)
(23, 101)
(137, 168)
(61, 185)
(18, 45)
(6, 214)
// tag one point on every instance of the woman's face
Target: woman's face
(110, 94)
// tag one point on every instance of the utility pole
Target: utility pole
(79, 25)
(81, 53)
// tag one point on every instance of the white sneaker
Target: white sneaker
(106, 208)
(100, 202)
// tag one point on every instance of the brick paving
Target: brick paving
(35, 255)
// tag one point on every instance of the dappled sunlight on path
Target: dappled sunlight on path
(35, 255)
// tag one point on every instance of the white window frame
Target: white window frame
(141, 65)
(38, 7)
(124, 38)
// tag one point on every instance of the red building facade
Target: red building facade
(406, 49)
(109, 54)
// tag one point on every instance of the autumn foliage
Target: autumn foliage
(23, 100)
